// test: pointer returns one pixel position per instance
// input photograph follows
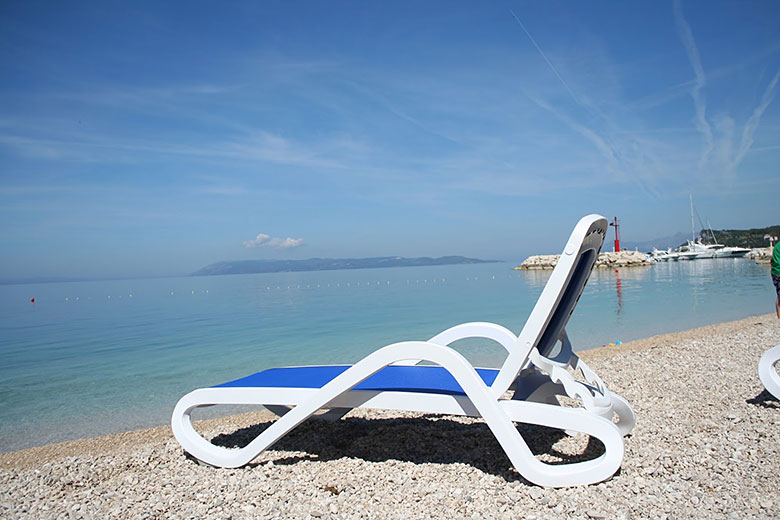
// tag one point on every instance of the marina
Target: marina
(697, 249)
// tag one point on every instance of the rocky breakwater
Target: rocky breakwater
(761, 255)
(605, 260)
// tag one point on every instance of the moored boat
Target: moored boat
(665, 256)
(716, 250)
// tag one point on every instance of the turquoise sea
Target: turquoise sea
(91, 358)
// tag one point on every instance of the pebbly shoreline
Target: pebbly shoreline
(706, 445)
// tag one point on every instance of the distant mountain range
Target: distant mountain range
(40, 279)
(328, 264)
(647, 245)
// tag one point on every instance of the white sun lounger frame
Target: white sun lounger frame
(767, 372)
(535, 379)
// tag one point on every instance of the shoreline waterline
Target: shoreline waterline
(119, 442)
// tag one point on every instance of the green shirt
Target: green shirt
(776, 259)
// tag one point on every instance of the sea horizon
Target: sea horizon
(33, 280)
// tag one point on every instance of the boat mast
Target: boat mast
(712, 233)
(693, 231)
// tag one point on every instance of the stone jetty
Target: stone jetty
(605, 260)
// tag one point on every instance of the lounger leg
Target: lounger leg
(575, 419)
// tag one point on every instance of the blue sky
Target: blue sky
(153, 138)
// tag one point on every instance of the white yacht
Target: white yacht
(702, 250)
(714, 250)
(721, 251)
(688, 255)
(665, 256)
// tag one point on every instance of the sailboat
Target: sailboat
(689, 251)
(714, 250)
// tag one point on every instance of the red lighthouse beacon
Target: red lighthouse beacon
(617, 235)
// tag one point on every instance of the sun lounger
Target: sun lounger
(767, 372)
(524, 390)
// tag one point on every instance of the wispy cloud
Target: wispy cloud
(270, 147)
(661, 98)
(601, 144)
(686, 35)
(260, 146)
(143, 95)
(627, 158)
(33, 189)
(752, 123)
(732, 144)
(766, 148)
(488, 132)
(263, 240)
(223, 190)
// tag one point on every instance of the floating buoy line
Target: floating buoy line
(371, 284)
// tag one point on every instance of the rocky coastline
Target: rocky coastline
(606, 260)
(761, 255)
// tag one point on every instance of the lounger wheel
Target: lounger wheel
(767, 372)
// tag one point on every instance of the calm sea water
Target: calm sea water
(92, 358)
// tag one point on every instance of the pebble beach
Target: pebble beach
(706, 445)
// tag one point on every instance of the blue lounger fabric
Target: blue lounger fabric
(418, 378)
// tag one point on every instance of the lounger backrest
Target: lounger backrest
(559, 296)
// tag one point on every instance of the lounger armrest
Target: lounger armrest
(477, 329)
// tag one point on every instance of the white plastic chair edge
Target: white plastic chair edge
(477, 329)
(767, 373)
(587, 235)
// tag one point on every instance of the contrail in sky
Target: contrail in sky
(583, 130)
(755, 119)
(555, 71)
(600, 143)
(698, 101)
